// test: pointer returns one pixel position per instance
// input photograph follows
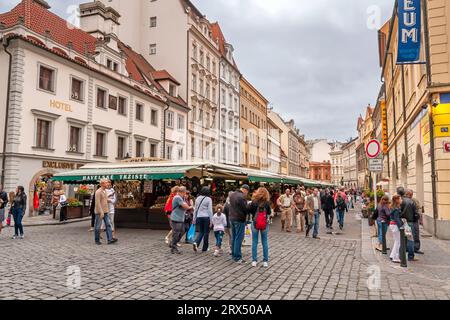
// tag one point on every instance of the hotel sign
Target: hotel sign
(409, 31)
(60, 106)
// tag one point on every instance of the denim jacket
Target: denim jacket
(395, 216)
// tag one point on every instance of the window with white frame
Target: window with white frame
(121, 147)
(122, 108)
(139, 149)
(101, 98)
(153, 49)
(180, 153)
(47, 78)
(153, 150)
(194, 82)
(77, 89)
(224, 97)
(43, 133)
(180, 122)
(153, 22)
(100, 144)
(75, 144)
(154, 117)
(170, 119)
(169, 149)
(139, 112)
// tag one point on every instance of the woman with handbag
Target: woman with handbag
(394, 226)
(260, 211)
(203, 215)
(19, 207)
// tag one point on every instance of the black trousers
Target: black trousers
(92, 220)
(329, 216)
(416, 235)
(63, 214)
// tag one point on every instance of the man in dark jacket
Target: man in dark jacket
(328, 207)
(416, 229)
(238, 218)
(408, 212)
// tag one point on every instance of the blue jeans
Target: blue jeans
(238, 232)
(219, 238)
(264, 241)
(18, 215)
(410, 244)
(98, 225)
(316, 223)
(203, 234)
(340, 217)
(380, 230)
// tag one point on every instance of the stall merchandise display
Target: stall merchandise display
(129, 194)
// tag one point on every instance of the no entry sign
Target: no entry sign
(373, 149)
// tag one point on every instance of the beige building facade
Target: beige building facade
(417, 101)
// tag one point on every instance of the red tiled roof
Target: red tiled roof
(141, 69)
(217, 35)
(164, 75)
(40, 20)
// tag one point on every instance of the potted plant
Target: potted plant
(83, 194)
(74, 208)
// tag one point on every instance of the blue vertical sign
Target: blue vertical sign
(409, 31)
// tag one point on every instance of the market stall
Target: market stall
(144, 187)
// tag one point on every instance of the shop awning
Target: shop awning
(124, 174)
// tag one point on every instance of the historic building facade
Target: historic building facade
(349, 164)
(253, 125)
(175, 35)
(337, 164)
(72, 98)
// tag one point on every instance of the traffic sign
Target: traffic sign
(446, 147)
(373, 149)
(376, 165)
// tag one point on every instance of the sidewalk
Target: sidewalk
(46, 220)
(432, 267)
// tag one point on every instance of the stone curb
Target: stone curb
(57, 223)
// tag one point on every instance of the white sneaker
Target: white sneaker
(14, 237)
(167, 240)
(178, 245)
(22, 237)
(265, 265)
(216, 253)
(254, 264)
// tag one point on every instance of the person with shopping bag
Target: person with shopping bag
(261, 212)
(203, 215)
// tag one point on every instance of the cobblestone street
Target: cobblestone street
(141, 267)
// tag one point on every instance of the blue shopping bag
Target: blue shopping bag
(191, 233)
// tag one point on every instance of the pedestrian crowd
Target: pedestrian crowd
(401, 214)
(241, 216)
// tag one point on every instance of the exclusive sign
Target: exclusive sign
(409, 29)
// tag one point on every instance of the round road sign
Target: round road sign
(373, 149)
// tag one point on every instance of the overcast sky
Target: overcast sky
(315, 61)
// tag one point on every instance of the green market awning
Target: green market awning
(267, 179)
(124, 174)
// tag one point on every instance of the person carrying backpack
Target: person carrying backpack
(261, 212)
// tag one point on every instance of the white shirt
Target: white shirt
(316, 203)
(111, 193)
(219, 223)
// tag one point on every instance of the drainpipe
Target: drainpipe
(404, 117)
(5, 133)
(431, 120)
(164, 130)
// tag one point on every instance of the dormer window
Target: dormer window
(172, 90)
(114, 66)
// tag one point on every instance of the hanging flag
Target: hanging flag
(409, 31)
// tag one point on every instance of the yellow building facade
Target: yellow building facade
(415, 96)
(253, 125)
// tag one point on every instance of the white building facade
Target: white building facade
(174, 34)
(274, 147)
(72, 100)
(337, 164)
(349, 164)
